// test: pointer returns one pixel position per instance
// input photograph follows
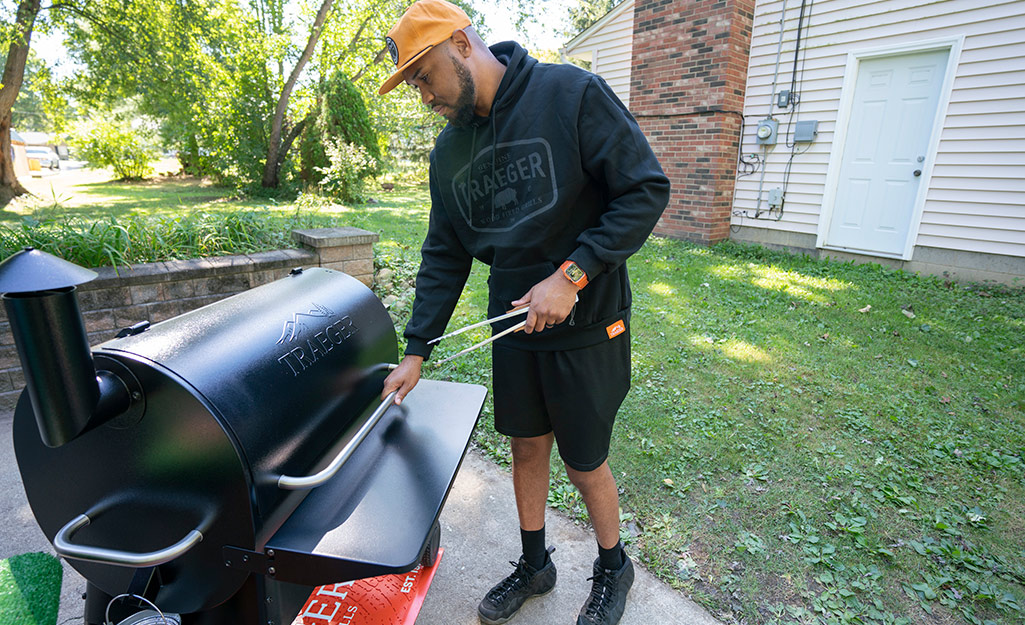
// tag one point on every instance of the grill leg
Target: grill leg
(283, 601)
(242, 608)
(260, 601)
(430, 554)
(96, 602)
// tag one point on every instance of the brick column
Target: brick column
(687, 84)
(349, 250)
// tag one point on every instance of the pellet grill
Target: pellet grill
(223, 463)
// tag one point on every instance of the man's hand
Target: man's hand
(403, 378)
(550, 301)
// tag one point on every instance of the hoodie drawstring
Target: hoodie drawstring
(494, 148)
(473, 155)
(469, 173)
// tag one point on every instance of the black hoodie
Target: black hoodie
(559, 170)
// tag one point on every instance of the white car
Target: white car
(47, 158)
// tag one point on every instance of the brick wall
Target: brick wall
(687, 86)
(157, 291)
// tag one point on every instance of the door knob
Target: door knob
(918, 172)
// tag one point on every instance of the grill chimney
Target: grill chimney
(39, 295)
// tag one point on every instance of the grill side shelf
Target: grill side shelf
(375, 515)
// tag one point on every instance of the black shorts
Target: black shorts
(574, 393)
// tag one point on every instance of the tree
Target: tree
(213, 73)
(40, 105)
(273, 162)
(155, 53)
(270, 15)
(14, 74)
(587, 12)
(352, 42)
(204, 68)
(200, 68)
(340, 117)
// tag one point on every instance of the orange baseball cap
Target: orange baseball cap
(424, 25)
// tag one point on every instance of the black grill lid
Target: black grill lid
(34, 270)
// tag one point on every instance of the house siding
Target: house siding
(975, 201)
(609, 48)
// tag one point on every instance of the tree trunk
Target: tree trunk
(14, 73)
(291, 137)
(10, 188)
(272, 166)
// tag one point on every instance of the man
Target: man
(543, 175)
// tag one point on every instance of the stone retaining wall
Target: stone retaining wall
(157, 291)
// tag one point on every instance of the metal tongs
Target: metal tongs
(512, 313)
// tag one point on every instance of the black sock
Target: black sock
(533, 547)
(611, 559)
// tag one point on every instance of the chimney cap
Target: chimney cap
(33, 270)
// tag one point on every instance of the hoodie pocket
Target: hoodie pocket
(607, 295)
(507, 285)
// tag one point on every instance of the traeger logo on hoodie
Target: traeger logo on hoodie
(509, 183)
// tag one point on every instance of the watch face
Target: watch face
(574, 272)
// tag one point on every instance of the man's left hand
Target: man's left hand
(550, 301)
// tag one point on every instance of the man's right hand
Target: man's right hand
(403, 378)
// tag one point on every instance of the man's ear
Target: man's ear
(462, 44)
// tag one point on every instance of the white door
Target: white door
(888, 136)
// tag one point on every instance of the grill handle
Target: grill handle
(289, 482)
(63, 546)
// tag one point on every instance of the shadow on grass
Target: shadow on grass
(152, 196)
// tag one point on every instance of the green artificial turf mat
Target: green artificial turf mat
(30, 588)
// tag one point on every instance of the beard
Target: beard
(462, 110)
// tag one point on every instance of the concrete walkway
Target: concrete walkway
(479, 531)
(479, 535)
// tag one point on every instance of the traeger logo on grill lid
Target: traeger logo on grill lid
(311, 335)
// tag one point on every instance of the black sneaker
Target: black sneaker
(608, 594)
(503, 601)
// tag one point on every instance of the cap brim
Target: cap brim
(397, 77)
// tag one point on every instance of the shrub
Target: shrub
(235, 126)
(112, 142)
(346, 174)
(341, 118)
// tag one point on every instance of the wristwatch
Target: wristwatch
(574, 273)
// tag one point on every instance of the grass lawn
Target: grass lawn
(805, 441)
(812, 442)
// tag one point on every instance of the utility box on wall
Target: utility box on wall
(765, 134)
(806, 131)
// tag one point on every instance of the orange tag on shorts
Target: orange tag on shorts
(616, 329)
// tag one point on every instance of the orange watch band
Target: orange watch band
(574, 273)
